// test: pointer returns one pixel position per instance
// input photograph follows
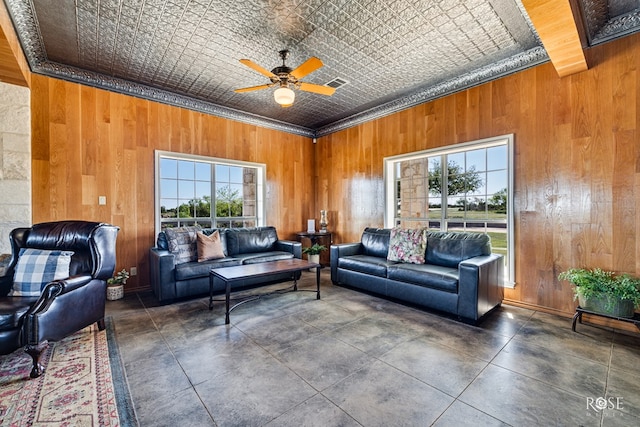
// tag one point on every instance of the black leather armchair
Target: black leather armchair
(65, 306)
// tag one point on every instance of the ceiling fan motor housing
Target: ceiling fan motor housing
(283, 76)
(282, 71)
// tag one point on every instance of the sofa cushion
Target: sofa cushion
(192, 270)
(37, 267)
(182, 243)
(449, 248)
(12, 311)
(375, 242)
(407, 245)
(374, 265)
(249, 240)
(426, 275)
(256, 258)
(209, 247)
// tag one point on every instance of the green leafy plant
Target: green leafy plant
(596, 283)
(314, 250)
(120, 278)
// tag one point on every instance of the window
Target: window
(465, 187)
(209, 192)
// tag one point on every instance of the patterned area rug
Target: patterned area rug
(83, 384)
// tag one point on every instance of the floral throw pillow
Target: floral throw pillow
(407, 245)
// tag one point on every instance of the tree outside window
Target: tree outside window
(189, 188)
(465, 189)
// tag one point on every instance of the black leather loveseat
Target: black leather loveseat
(460, 275)
(172, 279)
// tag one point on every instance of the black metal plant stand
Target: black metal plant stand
(580, 311)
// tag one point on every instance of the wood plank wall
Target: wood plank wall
(577, 165)
(88, 142)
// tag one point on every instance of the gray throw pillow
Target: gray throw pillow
(183, 243)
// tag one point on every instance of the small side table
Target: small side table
(309, 239)
(580, 311)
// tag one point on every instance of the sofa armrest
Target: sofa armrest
(290, 246)
(74, 282)
(56, 288)
(162, 270)
(49, 317)
(342, 250)
(480, 286)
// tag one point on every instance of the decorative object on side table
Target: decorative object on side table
(311, 226)
(323, 221)
(605, 292)
(313, 253)
(115, 285)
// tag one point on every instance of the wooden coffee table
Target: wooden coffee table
(264, 269)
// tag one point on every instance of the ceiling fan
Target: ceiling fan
(286, 77)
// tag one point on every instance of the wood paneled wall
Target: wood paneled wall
(577, 165)
(88, 142)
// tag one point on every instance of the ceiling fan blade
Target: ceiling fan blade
(249, 63)
(249, 89)
(322, 90)
(309, 66)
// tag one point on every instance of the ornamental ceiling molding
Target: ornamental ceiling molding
(618, 27)
(114, 84)
(29, 32)
(601, 26)
(530, 58)
(482, 75)
(25, 21)
(33, 46)
(22, 13)
(594, 16)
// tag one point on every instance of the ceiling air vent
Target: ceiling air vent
(336, 83)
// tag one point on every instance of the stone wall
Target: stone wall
(15, 161)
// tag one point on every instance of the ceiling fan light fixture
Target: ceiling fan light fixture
(284, 96)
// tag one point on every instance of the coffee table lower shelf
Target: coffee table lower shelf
(239, 273)
(580, 311)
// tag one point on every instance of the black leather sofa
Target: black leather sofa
(171, 280)
(461, 276)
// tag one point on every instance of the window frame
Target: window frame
(390, 188)
(261, 174)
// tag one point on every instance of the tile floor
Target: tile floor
(351, 359)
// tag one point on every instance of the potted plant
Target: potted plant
(603, 291)
(115, 285)
(313, 253)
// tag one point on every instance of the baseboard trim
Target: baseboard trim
(586, 319)
(536, 307)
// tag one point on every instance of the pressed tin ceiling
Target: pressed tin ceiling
(393, 54)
